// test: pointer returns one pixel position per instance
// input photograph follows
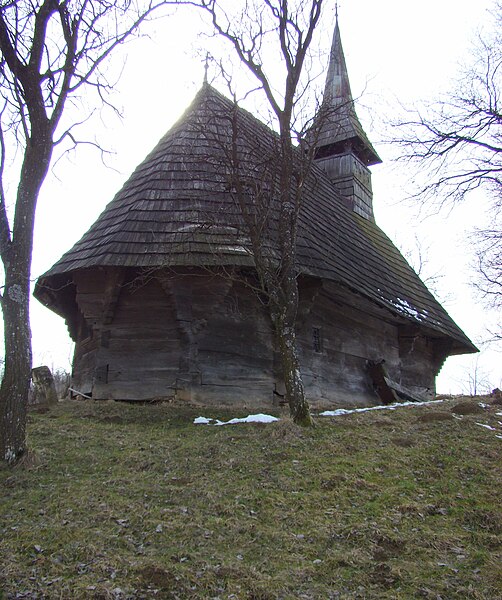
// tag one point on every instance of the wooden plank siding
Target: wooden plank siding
(195, 337)
(349, 338)
(144, 346)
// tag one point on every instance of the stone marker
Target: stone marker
(45, 389)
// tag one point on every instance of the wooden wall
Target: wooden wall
(84, 358)
(201, 339)
(337, 373)
(352, 179)
(416, 354)
(141, 346)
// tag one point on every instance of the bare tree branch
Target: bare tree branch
(454, 147)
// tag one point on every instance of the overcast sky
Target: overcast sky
(396, 52)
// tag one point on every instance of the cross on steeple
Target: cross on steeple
(206, 67)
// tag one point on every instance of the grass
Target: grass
(122, 501)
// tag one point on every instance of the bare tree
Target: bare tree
(458, 139)
(455, 145)
(50, 50)
(476, 381)
(489, 265)
(417, 255)
(289, 27)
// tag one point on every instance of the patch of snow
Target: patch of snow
(499, 414)
(345, 411)
(486, 426)
(483, 405)
(189, 227)
(499, 437)
(258, 418)
(236, 249)
(202, 421)
(10, 455)
(404, 307)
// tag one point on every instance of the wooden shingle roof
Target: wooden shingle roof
(177, 210)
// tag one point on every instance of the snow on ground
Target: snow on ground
(345, 411)
(486, 426)
(259, 418)
(262, 418)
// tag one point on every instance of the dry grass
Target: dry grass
(124, 501)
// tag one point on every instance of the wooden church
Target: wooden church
(156, 295)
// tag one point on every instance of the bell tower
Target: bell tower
(342, 148)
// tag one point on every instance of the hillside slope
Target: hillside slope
(123, 501)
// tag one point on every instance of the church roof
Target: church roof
(177, 210)
(337, 121)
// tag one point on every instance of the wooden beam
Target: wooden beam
(388, 390)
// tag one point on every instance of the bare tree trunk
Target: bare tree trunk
(16, 258)
(284, 296)
(295, 24)
(287, 299)
(295, 392)
(16, 380)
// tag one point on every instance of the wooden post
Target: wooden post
(45, 389)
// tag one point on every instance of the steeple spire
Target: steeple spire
(340, 125)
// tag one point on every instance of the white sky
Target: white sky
(396, 51)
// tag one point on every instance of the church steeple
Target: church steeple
(340, 124)
(342, 147)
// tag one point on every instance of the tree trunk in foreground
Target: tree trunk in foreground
(295, 392)
(16, 380)
(284, 319)
(16, 257)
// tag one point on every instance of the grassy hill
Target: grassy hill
(122, 501)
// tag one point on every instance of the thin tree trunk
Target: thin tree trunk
(16, 380)
(284, 308)
(285, 317)
(295, 392)
(16, 258)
